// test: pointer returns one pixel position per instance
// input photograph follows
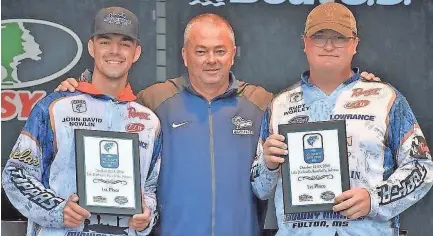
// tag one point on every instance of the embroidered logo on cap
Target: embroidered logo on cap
(117, 18)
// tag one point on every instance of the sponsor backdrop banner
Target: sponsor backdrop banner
(46, 42)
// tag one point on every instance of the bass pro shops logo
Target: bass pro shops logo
(219, 3)
(33, 52)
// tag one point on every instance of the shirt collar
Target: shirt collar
(233, 84)
(84, 85)
(305, 77)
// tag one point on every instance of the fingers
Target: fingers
(140, 221)
(344, 205)
(273, 149)
(344, 196)
(277, 137)
(70, 221)
(275, 146)
(73, 198)
(356, 215)
(68, 85)
(73, 214)
(73, 82)
(354, 203)
(144, 217)
(350, 212)
(80, 211)
(275, 159)
(369, 76)
(139, 226)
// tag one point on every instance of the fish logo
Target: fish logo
(109, 154)
(313, 148)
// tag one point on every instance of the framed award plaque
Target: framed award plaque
(316, 167)
(108, 172)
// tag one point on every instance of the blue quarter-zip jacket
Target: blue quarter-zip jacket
(204, 186)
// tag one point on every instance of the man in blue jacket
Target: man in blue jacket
(211, 123)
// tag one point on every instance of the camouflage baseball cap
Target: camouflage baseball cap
(333, 16)
(116, 20)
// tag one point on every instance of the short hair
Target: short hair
(208, 18)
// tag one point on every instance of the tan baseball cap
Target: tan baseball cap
(333, 16)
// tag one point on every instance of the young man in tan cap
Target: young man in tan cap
(389, 163)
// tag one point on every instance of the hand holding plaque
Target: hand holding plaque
(273, 148)
(353, 203)
(140, 221)
(73, 214)
(316, 167)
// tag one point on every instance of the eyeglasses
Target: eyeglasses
(338, 41)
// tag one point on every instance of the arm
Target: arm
(24, 177)
(149, 184)
(263, 179)
(413, 176)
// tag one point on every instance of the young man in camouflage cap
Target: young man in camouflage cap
(40, 177)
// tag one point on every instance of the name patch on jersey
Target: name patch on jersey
(317, 219)
(296, 109)
(81, 121)
(352, 117)
(39, 196)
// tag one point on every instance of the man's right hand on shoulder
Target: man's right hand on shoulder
(67, 85)
(74, 214)
(273, 149)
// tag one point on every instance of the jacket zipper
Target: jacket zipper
(212, 163)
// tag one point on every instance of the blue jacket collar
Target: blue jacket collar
(232, 89)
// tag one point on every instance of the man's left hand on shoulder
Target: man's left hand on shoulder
(353, 203)
(369, 76)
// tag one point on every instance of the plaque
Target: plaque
(315, 170)
(108, 172)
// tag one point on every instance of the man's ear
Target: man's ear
(355, 46)
(90, 47)
(305, 43)
(185, 62)
(234, 55)
(137, 53)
